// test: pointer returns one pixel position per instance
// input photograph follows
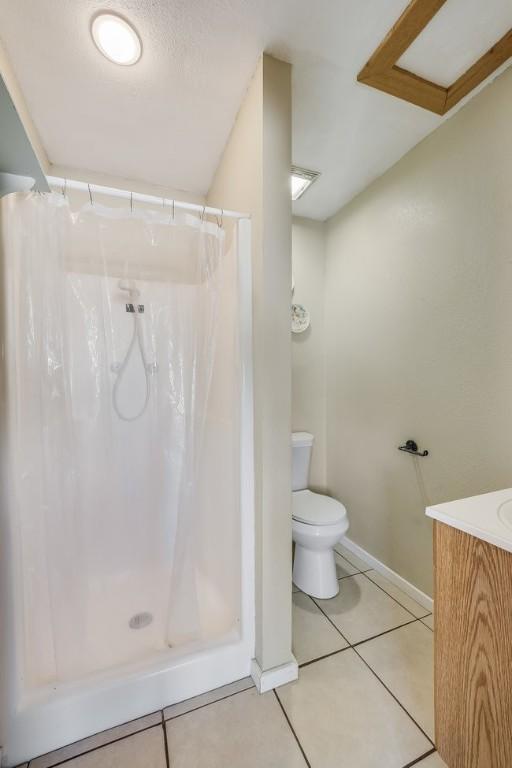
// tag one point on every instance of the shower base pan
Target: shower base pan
(63, 714)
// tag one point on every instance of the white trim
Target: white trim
(274, 677)
(393, 577)
(246, 432)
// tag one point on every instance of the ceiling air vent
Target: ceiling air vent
(301, 179)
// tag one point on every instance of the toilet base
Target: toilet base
(314, 572)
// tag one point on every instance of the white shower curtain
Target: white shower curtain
(109, 508)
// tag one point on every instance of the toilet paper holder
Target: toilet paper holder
(411, 446)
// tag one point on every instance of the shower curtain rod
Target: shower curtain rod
(98, 189)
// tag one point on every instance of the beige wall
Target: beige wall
(308, 358)
(14, 90)
(419, 334)
(253, 175)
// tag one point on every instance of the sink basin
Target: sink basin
(505, 513)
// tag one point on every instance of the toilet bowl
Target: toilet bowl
(318, 523)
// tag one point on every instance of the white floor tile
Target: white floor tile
(343, 567)
(411, 605)
(313, 635)
(93, 742)
(354, 560)
(429, 621)
(362, 610)
(143, 750)
(247, 730)
(404, 661)
(208, 698)
(344, 717)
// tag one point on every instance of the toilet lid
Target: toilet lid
(316, 509)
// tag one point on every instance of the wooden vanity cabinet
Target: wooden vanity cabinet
(473, 650)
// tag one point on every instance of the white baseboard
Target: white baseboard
(273, 678)
(394, 577)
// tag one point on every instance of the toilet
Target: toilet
(318, 523)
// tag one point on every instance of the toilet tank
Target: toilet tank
(302, 444)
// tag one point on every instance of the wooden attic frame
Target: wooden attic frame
(382, 72)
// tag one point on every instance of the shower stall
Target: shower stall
(127, 490)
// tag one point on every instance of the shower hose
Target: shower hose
(120, 369)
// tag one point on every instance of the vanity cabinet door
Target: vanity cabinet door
(473, 650)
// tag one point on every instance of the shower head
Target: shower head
(129, 286)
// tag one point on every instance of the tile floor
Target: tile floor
(364, 698)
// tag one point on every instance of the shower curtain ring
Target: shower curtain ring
(131, 202)
(220, 219)
(203, 213)
(90, 193)
(64, 188)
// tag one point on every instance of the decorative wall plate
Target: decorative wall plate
(300, 318)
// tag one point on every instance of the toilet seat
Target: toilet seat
(316, 508)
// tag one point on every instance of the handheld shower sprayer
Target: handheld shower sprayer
(137, 340)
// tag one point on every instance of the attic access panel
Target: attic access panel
(383, 73)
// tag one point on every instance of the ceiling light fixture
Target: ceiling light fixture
(116, 38)
(301, 179)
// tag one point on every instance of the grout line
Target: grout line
(208, 703)
(394, 697)
(141, 730)
(421, 757)
(94, 735)
(100, 746)
(386, 632)
(292, 729)
(354, 645)
(166, 744)
(298, 591)
(366, 639)
(426, 625)
(325, 656)
(365, 573)
(354, 648)
(348, 576)
(370, 567)
(330, 621)
(358, 570)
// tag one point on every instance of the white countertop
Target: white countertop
(479, 516)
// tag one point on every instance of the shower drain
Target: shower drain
(140, 620)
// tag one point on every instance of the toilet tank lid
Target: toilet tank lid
(302, 439)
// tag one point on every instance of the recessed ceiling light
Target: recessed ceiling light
(301, 179)
(116, 39)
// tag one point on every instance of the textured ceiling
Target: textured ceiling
(166, 120)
